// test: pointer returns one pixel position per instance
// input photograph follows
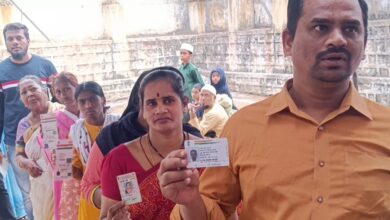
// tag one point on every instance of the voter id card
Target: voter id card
(207, 152)
(63, 160)
(49, 130)
(129, 189)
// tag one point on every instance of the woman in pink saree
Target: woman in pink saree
(66, 192)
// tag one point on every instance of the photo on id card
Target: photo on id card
(129, 188)
(49, 130)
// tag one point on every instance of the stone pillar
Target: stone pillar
(241, 15)
(113, 21)
(233, 15)
(114, 29)
(217, 16)
(246, 15)
(279, 14)
(197, 15)
(6, 15)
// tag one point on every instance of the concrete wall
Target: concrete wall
(253, 59)
(374, 75)
(81, 19)
(103, 61)
(241, 36)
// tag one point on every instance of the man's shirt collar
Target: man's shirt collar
(352, 99)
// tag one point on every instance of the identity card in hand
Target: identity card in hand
(49, 130)
(207, 152)
(129, 189)
(63, 160)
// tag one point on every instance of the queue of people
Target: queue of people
(316, 150)
(80, 115)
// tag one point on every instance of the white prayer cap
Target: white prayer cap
(187, 47)
(209, 88)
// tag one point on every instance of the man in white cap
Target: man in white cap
(214, 116)
(189, 70)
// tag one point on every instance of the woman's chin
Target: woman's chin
(35, 107)
(164, 127)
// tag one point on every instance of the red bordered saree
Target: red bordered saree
(153, 206)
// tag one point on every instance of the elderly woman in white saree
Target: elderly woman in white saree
(31, 154)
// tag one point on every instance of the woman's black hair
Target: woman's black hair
(89, 86)
(168, 73)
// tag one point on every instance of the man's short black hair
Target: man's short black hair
(294, 12)
(16, 26)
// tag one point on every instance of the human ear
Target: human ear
(287, 40)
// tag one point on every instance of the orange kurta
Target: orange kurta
(286, 166)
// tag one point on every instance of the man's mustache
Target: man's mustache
(320, 55)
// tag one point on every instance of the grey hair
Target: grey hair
(34, 78)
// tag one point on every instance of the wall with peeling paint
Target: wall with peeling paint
(242, 36)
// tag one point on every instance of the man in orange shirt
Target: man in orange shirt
(316, 150)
